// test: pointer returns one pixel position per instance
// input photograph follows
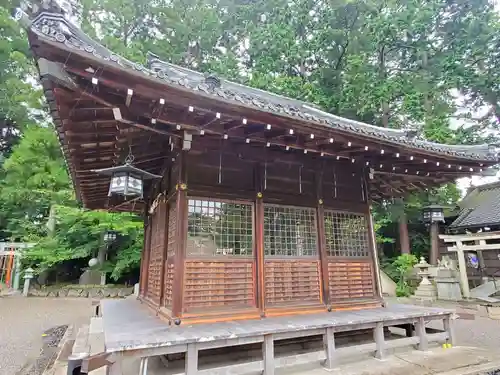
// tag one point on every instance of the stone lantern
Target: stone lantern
(426, 289)
(28, 275)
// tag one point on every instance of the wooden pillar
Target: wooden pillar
(259, 241)
(268, 355)
(163, 207)
(191, 361)
(181, 236)
(434, 254)
(329, 341)
(423, 343)
(145, 259)
(142, 273)
(323, 256)
(143, 367)
(404, 239)
(376, 266)
(448, 324)
(462, 269)
(373, 241)
(378, 335)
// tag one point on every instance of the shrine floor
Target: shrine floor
(130, 325)
(133, 332)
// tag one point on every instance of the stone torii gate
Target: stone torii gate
(463, 243)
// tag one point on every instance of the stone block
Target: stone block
(426, 292)
(124, 292)
(448, 289)
(493, 312)
(73, 293)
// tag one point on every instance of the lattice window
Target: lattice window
(219, 228)
(346, 234)
(289, 231)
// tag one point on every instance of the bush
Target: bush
(403, 264)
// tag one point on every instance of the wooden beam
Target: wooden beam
(259, 240)
(163, 211)
(323, 256)
(181, 236)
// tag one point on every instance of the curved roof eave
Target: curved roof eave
(55, 28)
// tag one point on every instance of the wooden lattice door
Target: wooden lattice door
(350, 264)
(291, 257)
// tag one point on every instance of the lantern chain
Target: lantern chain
(130, 158)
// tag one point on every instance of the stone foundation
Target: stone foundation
(77, 291)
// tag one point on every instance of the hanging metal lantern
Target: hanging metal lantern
(126, 179)
(110, 236)
(433, 213)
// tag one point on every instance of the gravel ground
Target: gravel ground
(481, 332)
(23, 320)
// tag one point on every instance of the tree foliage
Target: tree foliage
(20, 100)
(432, 65)
(79, 234)
(33, 179)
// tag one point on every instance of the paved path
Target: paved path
(22, 321)
(479, 332)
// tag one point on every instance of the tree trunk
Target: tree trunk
(404, 239)
(383, 77)
(434, 253)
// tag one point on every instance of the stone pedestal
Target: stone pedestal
(493, 312)
(426, 291)
(90, 277)
(448, 286)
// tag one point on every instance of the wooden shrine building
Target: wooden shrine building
(263, 206)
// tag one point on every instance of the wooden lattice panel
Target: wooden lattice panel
(296, 281)
(218, 284)
(350, 280)
(169, 284)
(156, 254)
(172, 225)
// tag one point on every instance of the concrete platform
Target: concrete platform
(132, 332)
(129, 325)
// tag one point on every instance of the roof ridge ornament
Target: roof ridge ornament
(71, 10)
(213, 81)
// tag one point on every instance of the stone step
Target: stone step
(81, 346)
(486, 289)
(96, 342)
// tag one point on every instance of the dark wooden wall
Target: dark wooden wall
(256, 269)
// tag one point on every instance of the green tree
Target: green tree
(78, 235)
(20, 100)
(33, 178)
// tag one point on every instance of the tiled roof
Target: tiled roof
(481, 207)
(54, 28)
